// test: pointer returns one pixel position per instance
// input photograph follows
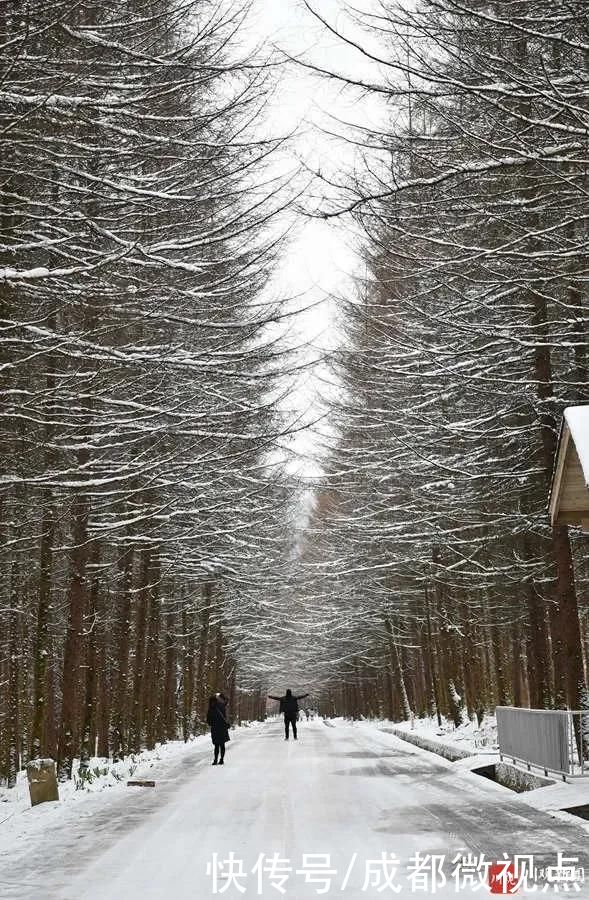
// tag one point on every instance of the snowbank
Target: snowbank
(468, 736)
(452, 743)
(448, 751)
(18, 818)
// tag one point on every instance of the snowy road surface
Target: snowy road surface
(351, 792)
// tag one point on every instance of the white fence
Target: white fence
(554, 740)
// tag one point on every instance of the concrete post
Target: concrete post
(42, 781)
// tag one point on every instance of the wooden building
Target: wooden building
(569, 494)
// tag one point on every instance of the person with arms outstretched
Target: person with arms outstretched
(289, 705)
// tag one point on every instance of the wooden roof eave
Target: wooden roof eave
(556, 486)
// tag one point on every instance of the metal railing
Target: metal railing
(554, 740)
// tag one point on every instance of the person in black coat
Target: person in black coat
(289, 705)
(217, 719)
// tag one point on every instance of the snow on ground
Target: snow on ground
(468, 736)
(482, 741)
(19, 822)
(348, 793)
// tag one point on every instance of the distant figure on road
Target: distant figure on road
(217, 719)
(289, 705)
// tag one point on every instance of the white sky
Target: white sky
(321, 260)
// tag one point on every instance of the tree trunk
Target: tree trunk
(15, 652)
(498, 666)
(168, 728)
(537, 650)
(188, 625)
(564, 618)
(202, 650)
(70, 712)
(137, 712)
(120, 711)
(432, 657)
(88, 730)
(151, 672)
(571, 676)
(398, 668)
(43, 637)
(516, 671)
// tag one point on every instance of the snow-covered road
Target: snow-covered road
(349, 793)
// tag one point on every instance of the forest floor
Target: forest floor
(345, 792)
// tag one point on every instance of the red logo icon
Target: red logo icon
(502, 878)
